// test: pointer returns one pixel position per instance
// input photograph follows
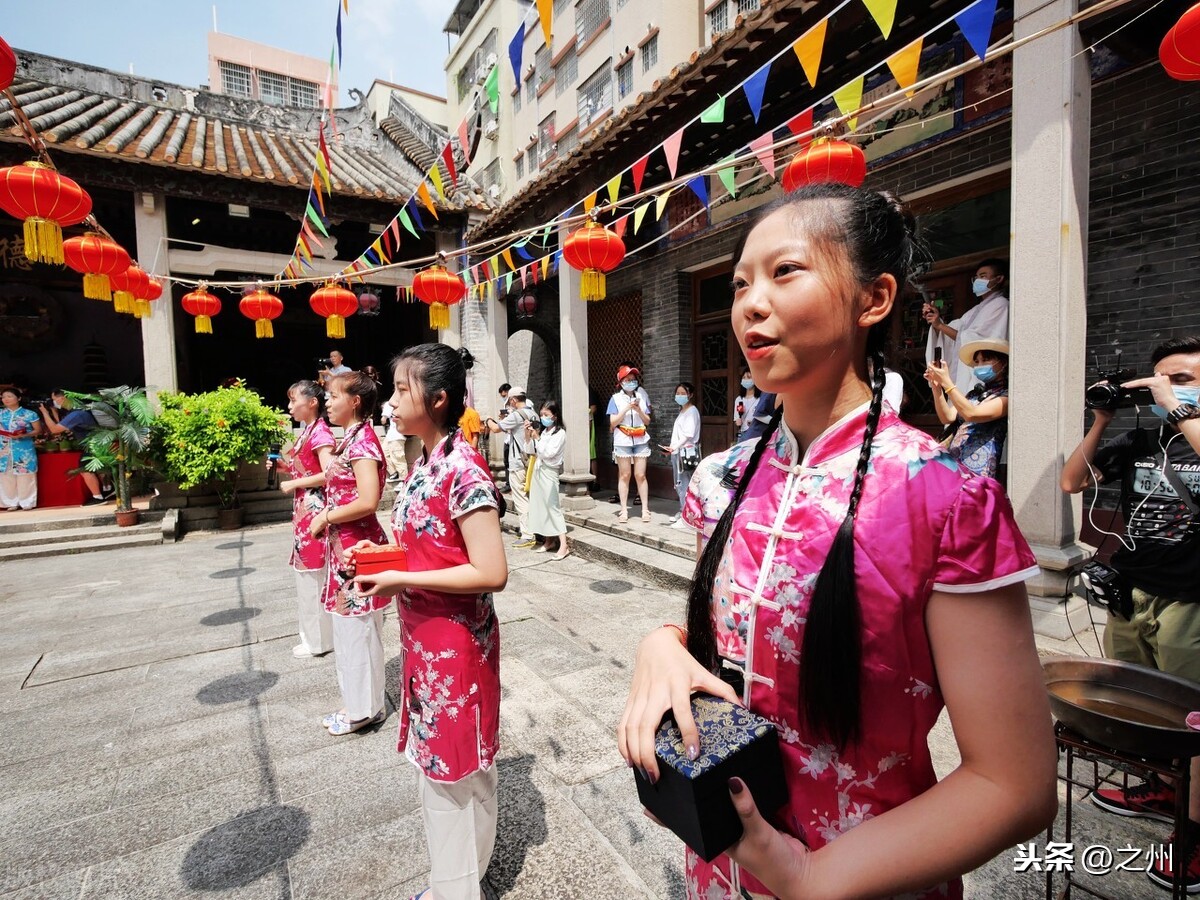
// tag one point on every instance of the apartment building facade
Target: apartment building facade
(253, 71)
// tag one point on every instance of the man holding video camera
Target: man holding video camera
(1154, 581)
(331, 366)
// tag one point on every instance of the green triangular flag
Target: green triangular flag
(508, 282)
(407, 223)
(715, 114)
(492, 86)
(728, 178)
(316, 220)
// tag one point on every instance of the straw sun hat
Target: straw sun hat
(968, 351)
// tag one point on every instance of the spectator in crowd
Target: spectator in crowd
(471, 426)
(628, 418)
(593, 465)
(982, 415)
(307, 459)
(337, 366)
(684, 448)
(987, 319)
(504, 389)
(545, 513)
(745, 406)
(18, 456)
(520, 452)
(394, 444)
(760, 418)
(353, 484)
(60, 418)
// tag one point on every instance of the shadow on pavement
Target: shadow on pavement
(521, 825)
(241, 851)
(231, 616)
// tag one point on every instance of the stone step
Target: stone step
(603, 522)
(106, 541)
(103, 516)
(60, 536)
(656, 566)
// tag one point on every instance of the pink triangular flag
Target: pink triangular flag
(765, 153)
(671, 149)
(463, 141)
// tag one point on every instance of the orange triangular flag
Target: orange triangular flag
(904, 64)
(426, 200)
(808, 50)
(545, 11)
(507, 254)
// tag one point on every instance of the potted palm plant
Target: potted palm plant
(119, 443)
(204, 439)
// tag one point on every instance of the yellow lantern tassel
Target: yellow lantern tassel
(439, 315)
(203, 325)
(122, 301)
(591, 285)
(43, 240)
(263, 329)
(141, 309)
(335, 326)
(96, 287)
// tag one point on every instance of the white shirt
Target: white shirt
(686, 430)
(552, 448)
(618, 402)
(393, 433)
(987, 321)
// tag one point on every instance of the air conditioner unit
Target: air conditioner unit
(494, 191)
(491, 130)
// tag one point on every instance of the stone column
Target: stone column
(497, 367)
(1051, 145)
(158, 331)
(573, 335)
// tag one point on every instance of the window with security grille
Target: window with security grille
(542, 69)
(490, 174)
(566, 72)
(718, 20)
(520, 163)
(545, 143)
(649, 54)
(303, 93)
(235, 79)
(568, 142)
(590, 15)
(621, 3)
(745, 7)
(517, 101)
(624, 79)
(272, 88)
(531, 89)
(531, 159)
(465, 80)
(560, 5)
(595, 95)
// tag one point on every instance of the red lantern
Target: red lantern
(1179, 51)
(368, 304)
(826, 160)
(262, 307)
(334, 303)
(526, 305)
(141, 302)
(203, 305)
(593, 250)
(46, 201)
(440, 288)
(127, 286)
(96, 258)
(8, 64)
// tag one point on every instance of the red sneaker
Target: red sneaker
(1162, 872)
(1153, 799)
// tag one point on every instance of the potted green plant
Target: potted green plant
(119, 444)
(203, 439)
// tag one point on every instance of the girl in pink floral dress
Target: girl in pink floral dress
(860, 579)
(446, 520)
(353, 483)
(306, 459)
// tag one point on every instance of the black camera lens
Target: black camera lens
(1102, 396)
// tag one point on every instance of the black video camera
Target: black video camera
(324, 362)
(1109, 394)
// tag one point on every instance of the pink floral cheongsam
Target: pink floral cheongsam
(308, 552)
(924, 524)
(341, 488)
(450, 643)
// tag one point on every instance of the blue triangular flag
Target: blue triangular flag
(339, 36)
(975, 23)
(754, 87)
(699, 186)
(520, 248)
(515, 46)
(416, 214)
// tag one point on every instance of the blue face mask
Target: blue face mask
(985, 373)
(747, 383)
(629, 386)
(547, 421)
(1183, 395)
(979, 287)
(682, 399)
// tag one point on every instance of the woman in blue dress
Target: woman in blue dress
(18, 458)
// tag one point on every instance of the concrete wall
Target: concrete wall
(268, 59)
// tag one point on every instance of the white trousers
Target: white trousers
(18, 490)
(316, 629)
(358, 643)
(520, 499)
(460, 829)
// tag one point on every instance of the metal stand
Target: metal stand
(1175, 770)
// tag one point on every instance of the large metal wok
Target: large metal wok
(1124, 707)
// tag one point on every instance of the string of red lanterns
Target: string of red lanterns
(440, 288)
(203, 305)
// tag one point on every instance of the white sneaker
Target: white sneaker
(680, 525)
(673, 520)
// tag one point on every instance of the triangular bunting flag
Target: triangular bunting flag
(495, 266)
(448, 159)
(808, 50)
(492, 88)
(394, 228)
(524, 277)
(378, 248)
(884, 14)
(619, 225)
(508, 258)
(589, 202)
(728, 176)
(614, 188)
(754, 86)
(464, 141)
(699, 186)
(426, 200)
(407, 223)
(338, 31)
(435, 175)
(639, 172)
(660, 203)
(975, 23)
(545, 266)
(671, 149)
(533, 272)
(316, 196)
(316, 220)
(638, 215)
(765, 152)
(799, 124)
(515, 46)
(416, 213)
(545, 12)
(849, 98)
(521, 251)
(715, 114)
(905, 63)
(508, 282)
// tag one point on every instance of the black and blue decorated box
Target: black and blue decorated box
(692, 797)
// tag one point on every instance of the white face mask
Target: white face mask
(979, 287)
(747, 383)
(629, 386)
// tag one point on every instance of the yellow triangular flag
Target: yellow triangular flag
(589, 201)
(426, 200)
(808, 50)
(638, 215)
(545, 12)
(849, 98)
(905, 63)
(883, 12)
(495, 266)
(614, 188)
(545, 266)
(435, 176)
(507, 254)
(660, 203)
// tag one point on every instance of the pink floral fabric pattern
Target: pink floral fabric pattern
(925, 523)
(341, 488)
(308, 552)
(450, 643)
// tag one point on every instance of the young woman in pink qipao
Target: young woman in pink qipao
(446, 520)
(306, 459)
(353, 483)
(860, 578)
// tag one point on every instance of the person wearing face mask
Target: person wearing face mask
(745, 406)
(545, 513)
(628, 418)
(1159, 560)
(982, 414)
(988, 319)
(684, 448)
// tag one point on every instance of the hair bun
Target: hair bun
(896, 205)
